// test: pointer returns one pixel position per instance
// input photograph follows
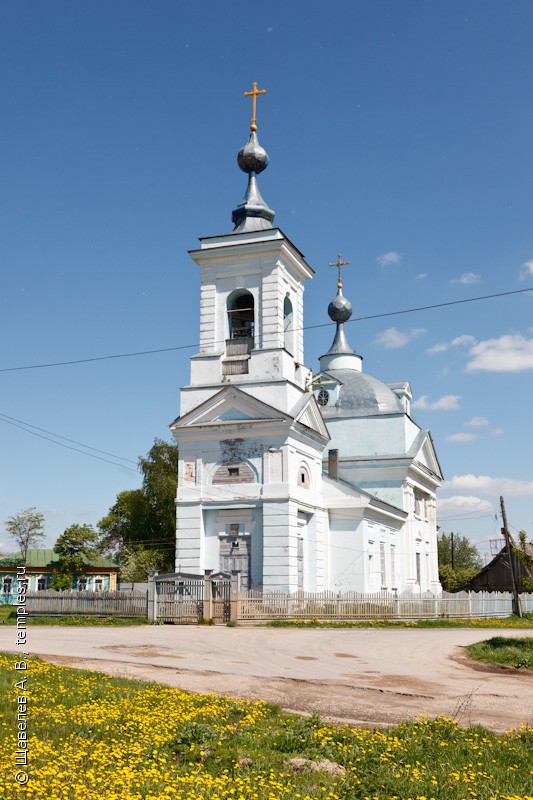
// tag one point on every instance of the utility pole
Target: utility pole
(452, 548)
(505, 530)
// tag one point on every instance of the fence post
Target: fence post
(235, 589)
(395, 604)
(152, 596)
(208, 595)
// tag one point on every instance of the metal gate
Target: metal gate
(221, 597)
(184, 597)
(179, 597)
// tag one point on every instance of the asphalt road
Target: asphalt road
(373, 676)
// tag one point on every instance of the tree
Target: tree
(126, 523)
(136, 564)
(140, 528)
(524, 553)
(465, 557)
(75, 545)
(26, 528)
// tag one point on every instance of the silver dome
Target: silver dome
(360, 395)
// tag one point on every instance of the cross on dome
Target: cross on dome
(339, 263)
(253, 94)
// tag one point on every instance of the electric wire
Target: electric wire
(304, 328)
(66, 446)
(6, 417)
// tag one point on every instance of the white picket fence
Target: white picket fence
(115, 603)
(256, 607)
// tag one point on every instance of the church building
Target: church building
(300, 481)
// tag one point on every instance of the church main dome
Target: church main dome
(358, 395)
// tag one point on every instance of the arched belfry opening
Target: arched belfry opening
(241, 329)
(241, 317)
(288, 326)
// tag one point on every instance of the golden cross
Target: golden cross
(339, 263)
(253, 94)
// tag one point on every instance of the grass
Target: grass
(93, 737)
(483, 622)
(510, 652)
(8, 616)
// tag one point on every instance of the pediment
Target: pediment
(310, 416)
(230, 406)
(427, 456)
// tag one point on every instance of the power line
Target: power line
(68, 447)
(305, 328)
(65, 438)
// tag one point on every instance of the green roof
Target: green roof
(49, 558)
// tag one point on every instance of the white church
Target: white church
(301, 481)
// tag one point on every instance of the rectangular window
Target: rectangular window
(41, 584)
(393, 565)
(233, 471)
(383, 565)
(234, 529)
(418, 568)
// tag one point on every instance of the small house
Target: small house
(97, 575)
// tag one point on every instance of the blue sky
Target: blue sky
(399, 134)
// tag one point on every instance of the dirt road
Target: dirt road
(360, 675)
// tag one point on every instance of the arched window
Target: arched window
(233, 473)
(288, 327)
(241, 314)
(304, 479)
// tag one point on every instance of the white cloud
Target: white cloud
(477, 422)
(421, 276)
(449, 402)
(509, 353)
(484, 484)
(462, 504)
(497, 431)
(462, 437)
(464, 340)
(6, 548)
(467, 278)
(386, 259)
(527, 270)
(393, 338)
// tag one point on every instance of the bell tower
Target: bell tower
(251, 300)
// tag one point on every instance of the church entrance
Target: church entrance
(235, 555)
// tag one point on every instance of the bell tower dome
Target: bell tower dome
(251, 300)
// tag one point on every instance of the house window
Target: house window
(393, 565)
(418, 573)
(8, 585)
(41, 584)
(82, 584)
(234, 529)
(98, 583)
(382, 565)
(233, 472)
